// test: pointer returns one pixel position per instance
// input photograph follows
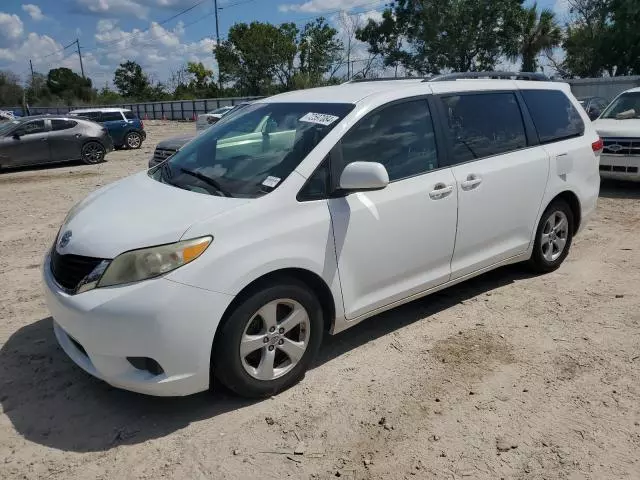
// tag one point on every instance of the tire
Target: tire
(93, 153)
(133, 140)
(553, 237)
(243, 367)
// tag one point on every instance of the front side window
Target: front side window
(250, 153)
(399, 136)
(29, 128)
(625, 106)
(553, 114)
(484, 124)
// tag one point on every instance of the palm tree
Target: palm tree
(539, 33)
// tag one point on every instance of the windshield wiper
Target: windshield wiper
(208, 180)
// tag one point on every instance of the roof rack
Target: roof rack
(385, 79)
(539, 77)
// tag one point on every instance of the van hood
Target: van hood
(136, 212)
(610, 127)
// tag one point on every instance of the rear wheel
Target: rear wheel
(553, 237)
(133, 140)
(269, 341)
(93, 152)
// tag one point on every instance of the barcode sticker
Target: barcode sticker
(271, 182)
(319, 118)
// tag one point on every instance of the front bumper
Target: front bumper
(622, 167)
(171, 323)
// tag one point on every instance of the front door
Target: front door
(27, 145)
(501, 177)
(398, 241)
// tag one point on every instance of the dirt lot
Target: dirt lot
(506, 376)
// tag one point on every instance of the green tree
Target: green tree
(131, 81)
(539, 33)
(622, 41)
(254, 54)
(586, 39)
(107, 96)
(428, 36)
(10, 89)
(69, 86)
(319, 50)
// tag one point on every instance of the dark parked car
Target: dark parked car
(593, 106)
(48, 139)
(168, 147)
(125, 128)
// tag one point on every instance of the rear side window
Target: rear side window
(483, 125)
(399, 136)
(553, 114)
(111, 116)
(130, 116)
(62, 124)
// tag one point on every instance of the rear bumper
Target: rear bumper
(620, 167)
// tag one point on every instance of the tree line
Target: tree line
(413, 37)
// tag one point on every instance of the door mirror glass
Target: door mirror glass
(359, 176)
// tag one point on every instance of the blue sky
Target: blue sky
(113, 31)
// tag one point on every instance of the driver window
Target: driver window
(35, 126)
(399, 136)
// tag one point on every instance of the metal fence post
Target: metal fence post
(153, 109)
(182, 110)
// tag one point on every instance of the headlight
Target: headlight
(151, 262)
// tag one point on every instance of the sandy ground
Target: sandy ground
(506, 376)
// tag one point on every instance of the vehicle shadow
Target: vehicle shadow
(45, 166)
(619, 189)
(51, 401)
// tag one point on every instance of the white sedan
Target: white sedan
(205, 120)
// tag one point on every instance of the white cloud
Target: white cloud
(111, 8)
(11, 29)
(319, 6)
(34, 11)
(561, 9)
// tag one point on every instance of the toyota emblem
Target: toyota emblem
(64, 240)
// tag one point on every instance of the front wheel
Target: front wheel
(269, 341)
(93, 152)
(133, 140)
(553, 237)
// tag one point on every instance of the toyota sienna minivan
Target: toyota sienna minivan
(308, 212)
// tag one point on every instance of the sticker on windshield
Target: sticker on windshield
(271, 182)
(319, 118)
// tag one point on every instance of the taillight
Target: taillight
(141, 124)
(597, 146)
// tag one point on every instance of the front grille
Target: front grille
(621, 146)
(162, 154)
(69, 270)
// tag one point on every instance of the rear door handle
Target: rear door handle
(471, 182)
(440, 191)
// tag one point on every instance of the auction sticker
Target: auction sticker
(271, 181)
(319, 118)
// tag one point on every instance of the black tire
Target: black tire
(544, 260)
(227, 363)
(133, 140)
(93, 153)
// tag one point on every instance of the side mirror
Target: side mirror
(359, 176)
(16, 135)
(269, 127)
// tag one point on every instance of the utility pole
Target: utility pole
(215, 8)
(33, 80)
(77, 42)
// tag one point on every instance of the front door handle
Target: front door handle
(440, 191)
(471, 182)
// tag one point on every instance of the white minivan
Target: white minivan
(308, 212)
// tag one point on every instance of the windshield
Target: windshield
(250, 153)
(625, 106)
(6, 127)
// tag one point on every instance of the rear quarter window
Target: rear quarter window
(553, 114)
(130, 116)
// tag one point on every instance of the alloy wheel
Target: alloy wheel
(554, 236)
(92, 153)
(133, 140)
(275, 339)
